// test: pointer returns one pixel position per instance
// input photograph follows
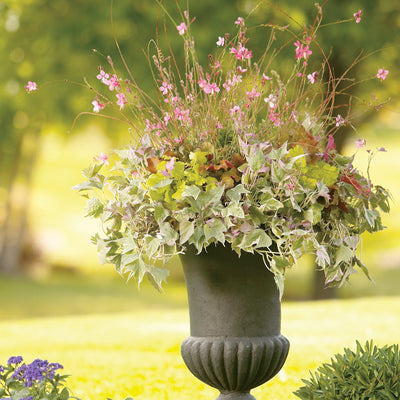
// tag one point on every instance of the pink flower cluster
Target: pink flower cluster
(112, 83)
(382, 74)
(31, 86)
(241, 53)
(209, 88)
(302, 50)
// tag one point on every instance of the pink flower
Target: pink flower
(202, 83)
(241, 70)
(234, 110)
(113, 83)
(121, 100)
(165, 86)
(360, 143)
(302, 51)
(211, 88)
(97, 106)
(181, 28)
(253, 94)
(275, 118)
(31, 86)
(241, 52)
(357, 16)
(339, 120)
(103, 76)
(103, 158)
(167, 118)
(239, 21)
(313, 77)
(265, 78)
(221, 41)
(382, 73)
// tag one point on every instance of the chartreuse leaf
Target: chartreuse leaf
(198, 157)
(320, 171)
(178, 193)
(297, 157)
(178, 172)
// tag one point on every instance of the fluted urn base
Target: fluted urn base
(232, 365)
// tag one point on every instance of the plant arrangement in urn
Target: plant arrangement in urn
(235, 153)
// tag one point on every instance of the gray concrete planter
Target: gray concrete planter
(235, 317)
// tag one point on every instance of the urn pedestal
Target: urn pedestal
(235, 317)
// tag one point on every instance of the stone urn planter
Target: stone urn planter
(235, 343)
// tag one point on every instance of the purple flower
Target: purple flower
(15, 360)
(25, 398)
(2, 369)
(19, 373)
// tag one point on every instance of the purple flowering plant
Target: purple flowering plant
(235, 152)
(35, 381)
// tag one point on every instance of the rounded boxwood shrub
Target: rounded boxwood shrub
(368, 373)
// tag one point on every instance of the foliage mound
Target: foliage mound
(367, 373)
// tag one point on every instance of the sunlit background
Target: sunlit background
(48, 267)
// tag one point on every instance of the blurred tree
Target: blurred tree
(51, 40)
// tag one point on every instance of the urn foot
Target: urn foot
(235, 396)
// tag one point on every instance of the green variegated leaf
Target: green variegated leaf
(160, 213)
(186, 230)
(94, 207)
(168, 234)
(198, 238)
(156, 276)
(257, 161)
(213, 196)
(234, 210)
(191, 191)
(255, 239)
(88, 186)
(313, 214)
(257, 215)
(152, 245)
(216, 231)
(92, 171)
(343, 253)
(236, 192)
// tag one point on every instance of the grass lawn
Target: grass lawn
(112, 352)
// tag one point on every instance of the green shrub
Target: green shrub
(368, 373)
